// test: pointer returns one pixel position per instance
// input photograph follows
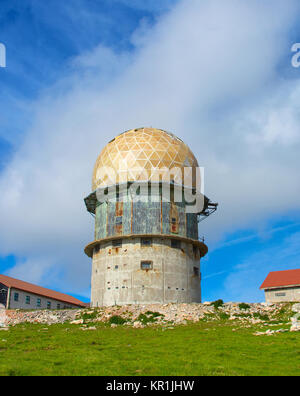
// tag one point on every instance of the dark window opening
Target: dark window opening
(117, 243)
(58, 306)
(38, 302)
(280, 294)
(27, 300)
(175, 244)
(146, 265)
(146, 242)
(48, 305)
(196, 271)
(16, 297)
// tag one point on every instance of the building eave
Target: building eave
(279, 287)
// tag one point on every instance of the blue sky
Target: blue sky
(217, 75)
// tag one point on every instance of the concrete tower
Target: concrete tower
(146, 247)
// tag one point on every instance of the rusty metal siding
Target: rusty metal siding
(100, 221)
(152, 210)
(166, 218)
(139, 218)
(181, 219)
(119, 218)
(127, 216)
(174, 219)
(111, 211)
(192, 225)
(124, 217)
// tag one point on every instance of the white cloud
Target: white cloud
(208, 71)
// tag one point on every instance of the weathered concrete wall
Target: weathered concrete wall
(21, 303)
(117, 277)
(283, 294)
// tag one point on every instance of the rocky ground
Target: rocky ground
(166, 315)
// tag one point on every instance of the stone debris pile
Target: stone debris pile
(14, 317)
(139, 316)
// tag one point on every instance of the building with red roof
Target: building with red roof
(17, 294)
(281, 286)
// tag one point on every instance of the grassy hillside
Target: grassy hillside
(219, 347)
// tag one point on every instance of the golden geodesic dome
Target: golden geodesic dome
(140, 155)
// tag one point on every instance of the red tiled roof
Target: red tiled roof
(41, 291)
(282, 278)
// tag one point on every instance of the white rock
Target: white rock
(79, 321)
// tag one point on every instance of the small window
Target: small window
(16, 297)
(175, 243)
(280, 294)
(145, 242)
(58, 306)
(116, 267)
(196, 271)
(119, 220)
(146, 265)
(117, 243)
(48, 305)
(38, 302)
(27, 300)
(174, 220)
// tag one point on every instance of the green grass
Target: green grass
(205, 348)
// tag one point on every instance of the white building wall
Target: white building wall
(288, 294)
(117, 277)
(21, 303)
